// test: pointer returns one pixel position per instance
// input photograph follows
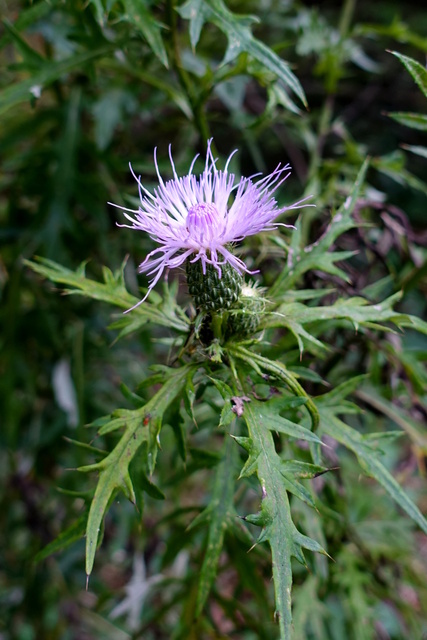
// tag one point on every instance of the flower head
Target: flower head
(198, 218)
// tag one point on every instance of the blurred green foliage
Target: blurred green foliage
(86, 88)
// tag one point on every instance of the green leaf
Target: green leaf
(220, 516)
(296, 488)
(417, 71)
(25, 90)
(303, 469)
(227, 413)
(275, 517)
(413, 429)
(240, 38)
(31, 58)
(412, 120)
(138, 14)
(278, 369)
(356, 310)
(417, 150)
(65, 539)
(366, 454)
(109, 111)
(112, 291)
(28, 16)
(140, 426)
(100, 11)
(318, 256)
(274, 422)
(392, 165)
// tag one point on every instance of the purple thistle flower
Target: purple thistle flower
(194, 217)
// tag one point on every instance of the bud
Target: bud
(245, 316)
(210, 291)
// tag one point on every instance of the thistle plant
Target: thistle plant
(230, 369)
(237, 449)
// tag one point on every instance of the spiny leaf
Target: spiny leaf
(189, 397)
(316, 255)
(419, 151)
(270, 420)
(240, 38)
(412, 120)
(138, 14)
(356, 310)
(416, 431)
(295, 487)
(417, 71)
(141, 425)
(304, 339)
(227, 413)
(112, 291)
(303, 469)
(366, 455)
(279, 530)
(336, 397)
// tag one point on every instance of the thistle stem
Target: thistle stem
(217, 325)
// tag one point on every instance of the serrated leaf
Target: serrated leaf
(303, 469)
(150, 488)
(140, 426)
(279, 530)
(304, 339)
(318, 255)
(296, 488)
(366, 455)
(356, 310)
(392, 165)
(224, 389)
(336, 396)
(413, 429)
(112, 291)
(417, 71)
(139, 15)
(412, 120)
(66, 538)
(274, 422)
(240, 38)
(86, 447)
(227, 413)
(136, 400)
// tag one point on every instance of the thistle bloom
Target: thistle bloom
(198, 218)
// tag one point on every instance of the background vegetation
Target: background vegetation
(86, 88)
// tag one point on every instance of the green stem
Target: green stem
(217, 326)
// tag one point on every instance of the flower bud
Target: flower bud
(245, 316)
(210, 290)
